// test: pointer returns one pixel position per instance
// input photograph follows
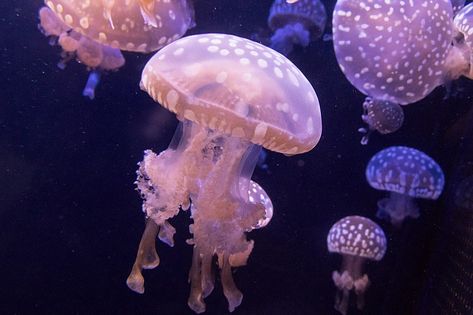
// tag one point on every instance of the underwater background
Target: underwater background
(71, 219)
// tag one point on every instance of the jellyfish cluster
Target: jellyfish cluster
(95, 32)
(235, 98)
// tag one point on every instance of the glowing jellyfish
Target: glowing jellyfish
(464, 40)
(393, 50)
(232, 96)
(94, 32)
(382, 116)
(406, 173)
(295, 23)
(357, 239)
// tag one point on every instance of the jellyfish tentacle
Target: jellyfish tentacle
(284, 39)
(233, 295)
(146, 257)
(92, 82)
(361, 285)
(195, 300)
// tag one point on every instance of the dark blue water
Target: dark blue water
(70, 219)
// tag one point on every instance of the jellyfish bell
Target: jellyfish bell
(357, 239)
(406, 173)
(382, 116)
(232, 96)
(296, 23)
(463, 42)
(393, 50)
(94, 32)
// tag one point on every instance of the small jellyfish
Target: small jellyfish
(357, 239)
(232, 96)
(94, 32)
(382, 116)
(295, 23)
(463, 43)
(406, 173)
(396, 51)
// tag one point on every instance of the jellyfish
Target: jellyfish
(94, 32)
(357, 239)
(382, 116)
(463, 42)
(295, 23)
(232, 96)
(406, 173)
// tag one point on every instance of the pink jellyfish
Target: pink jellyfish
(232, 96)
(406, 173)
(94, 32)
(357, 239)
(296, 23)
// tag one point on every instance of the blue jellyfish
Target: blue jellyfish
(406, 173)
(295, 23)
(382, 116)
(94, 32)
(357, 239)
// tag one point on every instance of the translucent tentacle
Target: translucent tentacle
(92, 82)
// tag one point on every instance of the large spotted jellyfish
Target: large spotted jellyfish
(94, 32)
(232, 97)
(397, 51)
(295, 23)
(406, 173)
(357, 239)
(463, 42)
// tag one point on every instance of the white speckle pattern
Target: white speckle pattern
(406, 171)
(393, 50)
(255, 92)
(357, 236)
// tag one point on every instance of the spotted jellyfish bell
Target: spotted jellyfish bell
(406, 173)
(382, 116)
(94, 32)
(295, 23)
(393, 50)
(463, 42)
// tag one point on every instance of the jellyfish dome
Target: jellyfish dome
(357, 239)
(232, 96)
(296, 23)
(382, 116)
(406, 173)
(393, 50)
(94, 32)
(463, 23)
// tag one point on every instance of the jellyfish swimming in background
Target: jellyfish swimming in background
(357, 239)
(232, 97)
(406, 173)
(94, 32)
(382, 116)
(296, 23)
(463, 42)
(397, 51)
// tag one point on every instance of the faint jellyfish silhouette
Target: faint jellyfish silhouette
(464, 194)
(382, 116)
(406, 173)
(463, 42)
(232, 96)
(295, 23)
(94, 32)
(357, 239)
